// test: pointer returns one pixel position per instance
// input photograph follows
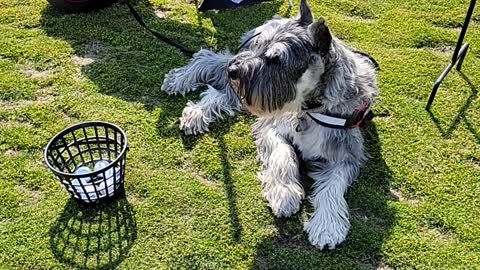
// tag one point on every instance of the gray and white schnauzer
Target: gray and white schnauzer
(310, 92)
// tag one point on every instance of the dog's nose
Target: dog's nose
(233, 72)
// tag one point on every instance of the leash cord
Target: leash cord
(163, 38)
(188, 52)
(246, 41)
(172, 42)
(369, 57)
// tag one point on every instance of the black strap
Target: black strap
(367, 119)
(246, 41)
(163, 38)
(370, 115)
(374, 62)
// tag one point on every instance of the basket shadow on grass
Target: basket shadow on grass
(370, 216)
(94, 237)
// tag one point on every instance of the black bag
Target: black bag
(80, 5)
(87, 5)
(224, 4)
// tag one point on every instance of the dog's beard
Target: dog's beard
(266, 91)
(265, 100)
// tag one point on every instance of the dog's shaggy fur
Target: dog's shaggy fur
(292, 63)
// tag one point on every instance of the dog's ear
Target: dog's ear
(322, 38)
(306, 16)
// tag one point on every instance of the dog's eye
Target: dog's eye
(273, 59)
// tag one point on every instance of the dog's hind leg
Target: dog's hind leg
(206, 67)
(280, 177)
(196, 117)
(329, 223)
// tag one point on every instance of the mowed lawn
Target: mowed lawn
(194, 202)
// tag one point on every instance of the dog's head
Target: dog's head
(277, 68)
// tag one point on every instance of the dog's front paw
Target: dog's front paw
(326, 229)
(193, 120)
(170, 85)
(176, 82)
(283, 199)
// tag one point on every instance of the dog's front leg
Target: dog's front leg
(329, 223)
(205, 67)
(280, 177)
(196, 117)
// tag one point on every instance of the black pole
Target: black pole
(458, 55)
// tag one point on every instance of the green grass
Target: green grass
(194, 202)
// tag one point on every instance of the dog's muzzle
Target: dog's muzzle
(233, 74)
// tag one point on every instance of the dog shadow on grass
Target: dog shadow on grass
(461, 115)
(94, 237)
(371, 219)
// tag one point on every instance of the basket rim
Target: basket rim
(75, 127)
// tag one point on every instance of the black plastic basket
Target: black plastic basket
(85, 145)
